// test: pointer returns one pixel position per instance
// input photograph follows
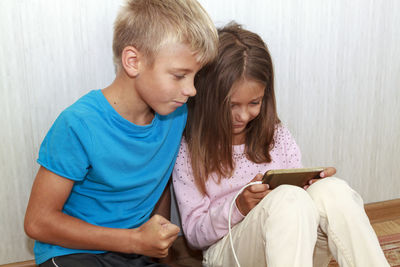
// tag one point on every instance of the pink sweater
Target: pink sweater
(205, 218)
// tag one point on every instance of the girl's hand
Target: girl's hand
(250, 196)
(329, 171)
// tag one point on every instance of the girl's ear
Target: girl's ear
(130, 60)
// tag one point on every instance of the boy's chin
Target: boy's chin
(165, 110)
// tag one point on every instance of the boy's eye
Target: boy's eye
(179, 76)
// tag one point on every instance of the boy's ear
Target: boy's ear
(130, 60)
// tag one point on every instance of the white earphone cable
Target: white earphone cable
(230, 215)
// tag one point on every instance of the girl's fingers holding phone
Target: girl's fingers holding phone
(256, 178)
(257, 188)
(329, 171)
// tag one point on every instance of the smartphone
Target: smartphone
(299, 177)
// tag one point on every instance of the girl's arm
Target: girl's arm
(45, 222)
(203, 222)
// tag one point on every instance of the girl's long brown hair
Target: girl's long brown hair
(242, 54)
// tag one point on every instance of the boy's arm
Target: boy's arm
(163, 206)
(45, 221)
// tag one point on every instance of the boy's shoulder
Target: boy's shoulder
(94, 108)
(87, 102)
(87, 107)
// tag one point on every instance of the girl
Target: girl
(234, 134)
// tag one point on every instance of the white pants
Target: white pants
(295, 227)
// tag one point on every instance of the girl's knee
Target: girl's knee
(333, 191)
(288, 203)
(330, 185)
(289, 193)
(287, 197)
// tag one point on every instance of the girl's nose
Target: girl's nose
(243, 115)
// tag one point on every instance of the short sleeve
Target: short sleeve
(66, 146)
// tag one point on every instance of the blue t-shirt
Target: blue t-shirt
(120, 169)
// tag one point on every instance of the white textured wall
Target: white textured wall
(337, 69)
(51, 52)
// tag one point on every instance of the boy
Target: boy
(107, 158)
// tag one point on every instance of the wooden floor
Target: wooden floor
(384, 216)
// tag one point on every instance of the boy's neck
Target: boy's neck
(122, 96)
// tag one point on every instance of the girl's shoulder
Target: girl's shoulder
(281, 131)
(183, 149)
(282, 135)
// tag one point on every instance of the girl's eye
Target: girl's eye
(255, 103)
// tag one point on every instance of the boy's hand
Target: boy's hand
(250, 196)
(156, 236)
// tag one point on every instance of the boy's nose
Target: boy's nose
(189, 90)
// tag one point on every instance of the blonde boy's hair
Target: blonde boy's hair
(149, 24)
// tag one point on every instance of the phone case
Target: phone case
(298, 177)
